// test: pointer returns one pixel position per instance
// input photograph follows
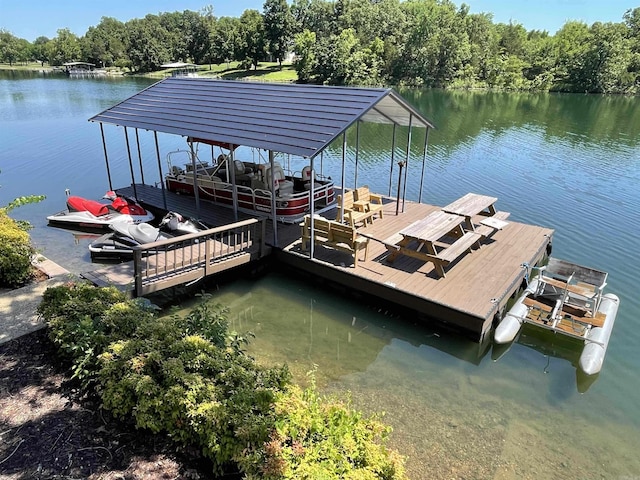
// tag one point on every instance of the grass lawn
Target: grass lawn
(25, 66)
(266, 71)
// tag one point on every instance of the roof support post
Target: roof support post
(312, 207)
(133, 180)
(344, 160)
(231, 172)
(393, 156)
(355, 177)
(106, 157)
(140, 156)
(424, 160)
(406, 166)
(164, 193)
(196, 188)
(274, 216)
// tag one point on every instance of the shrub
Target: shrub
(15, 253)
(323, 438)
(180, 375)
(84, 320)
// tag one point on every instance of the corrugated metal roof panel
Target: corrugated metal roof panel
(295, 119)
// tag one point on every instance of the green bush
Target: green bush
(181, 375)
(15, 253)
(187, 376)
(84, 320)
(316, 438)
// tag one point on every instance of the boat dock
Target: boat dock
(458, 263)
(473, 293)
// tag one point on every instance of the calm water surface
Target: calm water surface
(459, 409)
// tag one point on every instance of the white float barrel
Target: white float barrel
(509, 327)
(597, 342)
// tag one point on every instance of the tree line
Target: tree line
(431, 43)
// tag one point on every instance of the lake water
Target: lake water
(459, 409)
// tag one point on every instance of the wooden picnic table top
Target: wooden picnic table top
(433, 227)
(470, 204)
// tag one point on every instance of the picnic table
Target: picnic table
(470, 205)
(418, 240)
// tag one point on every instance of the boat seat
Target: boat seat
(79, 204)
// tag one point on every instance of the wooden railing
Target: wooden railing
(188, 258)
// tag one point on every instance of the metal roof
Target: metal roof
(288, 118)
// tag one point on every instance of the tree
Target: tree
(278, 24)
(342, 60)
(106, 44)
(175, 40)
(39, 50)
(541, 56)
(196, 35)
(382, 19)
(607, 59)
(513, 38)
(483, 43)
(225, 40)
(64, 47)
(572, 42)
(253, 46)
(149, 43)
(209, 21)
(437, 44)
(23, 50)
(8, 47)
(317, 16)
(632, 21)
(305, 62)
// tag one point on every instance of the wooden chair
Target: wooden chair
(352, 214)
(372, 201)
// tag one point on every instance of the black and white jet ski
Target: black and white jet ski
(85, 214)
(118, 245)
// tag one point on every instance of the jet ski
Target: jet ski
(118, 245)
(91, 215)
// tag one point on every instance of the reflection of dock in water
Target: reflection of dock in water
(306, 328)
(551, 346)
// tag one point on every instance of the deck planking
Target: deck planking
(476, 286)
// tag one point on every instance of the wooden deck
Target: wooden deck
(475, 288)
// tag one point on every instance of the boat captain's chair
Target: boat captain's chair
(280, 182)
(306, 177)
(241, 168)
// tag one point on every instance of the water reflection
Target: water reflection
(550, 346)
(298, 323)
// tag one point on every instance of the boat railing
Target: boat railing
(189, 258)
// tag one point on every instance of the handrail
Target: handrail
(188, 258)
